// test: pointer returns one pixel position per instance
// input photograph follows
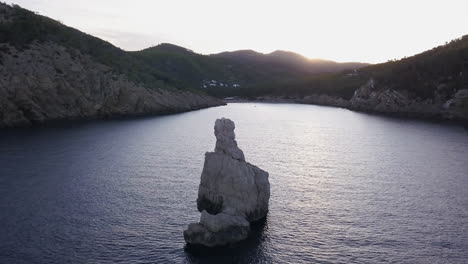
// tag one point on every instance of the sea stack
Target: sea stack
(231, 195)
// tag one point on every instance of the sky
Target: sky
(341, 30)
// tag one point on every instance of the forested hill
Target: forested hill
(420, 75)
(21, 27)
(49, 71)
(443, 69)
(289, 61)
(165, 64)
(225, 73)
(430, 84)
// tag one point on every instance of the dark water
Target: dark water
(346, 188)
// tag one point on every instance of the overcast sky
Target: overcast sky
(357, 30)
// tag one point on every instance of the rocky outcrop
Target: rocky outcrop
(217, 230)
(446, 103)
(372, 98)
(48, 81)
(232, 193)
(457, 106)
(225, 139)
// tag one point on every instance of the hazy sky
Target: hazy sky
(346, 30)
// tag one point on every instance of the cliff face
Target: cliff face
(373, 97)
(49, 71)
(47, 81)
(444, 104)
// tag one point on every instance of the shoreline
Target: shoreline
(70, 121)
(398, 115)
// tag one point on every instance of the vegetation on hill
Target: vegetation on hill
(184, 67)
(333, 84)
(246, 72)
(233, 73)
(21, 27)
(52, 72)
(443, 69)
(166, 65)
(288, 61)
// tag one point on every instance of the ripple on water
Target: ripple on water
(346, 188)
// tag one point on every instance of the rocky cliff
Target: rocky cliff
(48, 81)
(443, 104)
(376, 98)
(51, 72)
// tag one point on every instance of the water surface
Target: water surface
(346, 187)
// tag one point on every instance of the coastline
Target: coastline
(341, 103)
(116, 116)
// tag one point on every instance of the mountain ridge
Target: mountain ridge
(50, 71)
(432, 84)
(220, 74)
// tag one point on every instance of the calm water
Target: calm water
(346, 188)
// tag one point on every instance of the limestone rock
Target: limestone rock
(217, 230)
(225, 139)
(444, 104)
(457, 107)
(221, 221)
(232, 193)
(230, 184)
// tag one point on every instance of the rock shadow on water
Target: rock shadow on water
(250, 250)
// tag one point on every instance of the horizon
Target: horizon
(353, 33)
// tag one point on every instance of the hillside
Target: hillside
(49, 71)
(183, 67)
(289, 61)
(431, 84)
(231, 73)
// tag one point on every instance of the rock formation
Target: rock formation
(231, 195)
(373, 97)
(444, 104)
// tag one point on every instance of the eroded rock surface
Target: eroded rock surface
(232, 193)
(225, 139)
(217, 230)
(444, 104)
(48, 81)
